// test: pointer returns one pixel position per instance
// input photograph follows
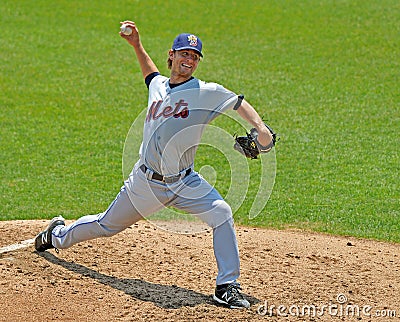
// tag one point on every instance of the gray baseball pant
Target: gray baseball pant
(141, 196)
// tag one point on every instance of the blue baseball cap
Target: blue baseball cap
(188, 41)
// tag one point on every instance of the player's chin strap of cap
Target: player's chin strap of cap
(239, 102)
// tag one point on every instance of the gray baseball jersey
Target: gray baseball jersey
(176, 119)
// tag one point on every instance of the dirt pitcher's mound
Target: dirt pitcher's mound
(147, 274)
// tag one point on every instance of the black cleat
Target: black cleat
(43, 240)
(229, 295)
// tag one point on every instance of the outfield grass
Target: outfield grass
(324, 74)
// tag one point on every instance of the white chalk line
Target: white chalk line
(12, 247)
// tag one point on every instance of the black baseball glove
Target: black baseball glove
(250, 147)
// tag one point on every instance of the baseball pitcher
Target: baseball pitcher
(179, 108)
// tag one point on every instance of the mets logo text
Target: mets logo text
(180, 110)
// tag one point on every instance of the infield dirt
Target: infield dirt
(148, 274)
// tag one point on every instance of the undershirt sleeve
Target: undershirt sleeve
(239, 102)
(150, 77)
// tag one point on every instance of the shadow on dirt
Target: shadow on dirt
(164, 296)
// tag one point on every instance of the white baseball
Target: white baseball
(126, 30)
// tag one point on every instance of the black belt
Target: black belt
(167, 179)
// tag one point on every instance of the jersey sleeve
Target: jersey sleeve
(217, 99)
(227, 99)
(157, 88)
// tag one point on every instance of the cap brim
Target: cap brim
(188, 47)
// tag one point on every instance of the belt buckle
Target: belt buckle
(171, 179)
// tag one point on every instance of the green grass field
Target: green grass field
(324, 74)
